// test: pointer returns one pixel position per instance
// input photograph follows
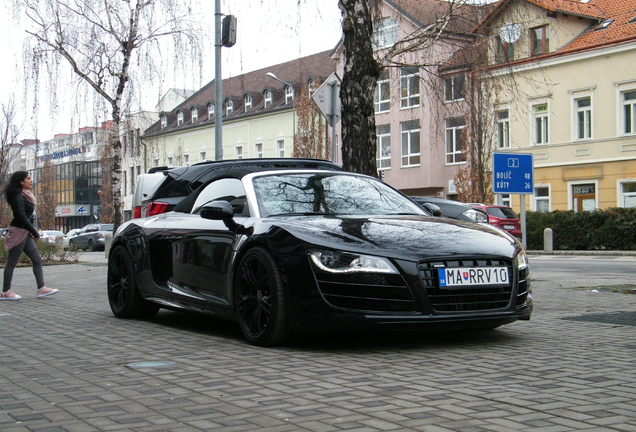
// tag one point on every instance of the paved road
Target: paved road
(64, 368)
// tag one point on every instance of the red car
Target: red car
(502, 217)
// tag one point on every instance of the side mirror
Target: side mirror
(432, 209)
(217, 210)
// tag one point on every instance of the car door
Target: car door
(81, 239)
(202, 248)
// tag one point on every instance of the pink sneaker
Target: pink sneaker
(9, 295)
(44, 291)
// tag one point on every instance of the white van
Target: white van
(144, 187)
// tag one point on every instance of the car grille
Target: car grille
(366, 292)
(468, 299)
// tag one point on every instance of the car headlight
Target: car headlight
(521, 260)
(343, 262)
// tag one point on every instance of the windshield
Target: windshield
(337, 194)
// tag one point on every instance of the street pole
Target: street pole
(218, 84)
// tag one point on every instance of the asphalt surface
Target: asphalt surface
(66, 365)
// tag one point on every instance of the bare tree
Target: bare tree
(363, 65)
(107, 212)
(310, 139)
(105, 42)
(8, 151)
(47, 199)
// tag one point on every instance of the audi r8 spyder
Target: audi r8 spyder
(290, 251)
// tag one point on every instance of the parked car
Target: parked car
(180, 182)
(289, 251)
(452, 209)
(50, 235)
(91, 237)
(502, 217)
(68, 236)
(144, 187)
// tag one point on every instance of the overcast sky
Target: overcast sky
(269, 32)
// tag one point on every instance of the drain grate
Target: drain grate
(625, 318)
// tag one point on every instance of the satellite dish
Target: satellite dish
(510, 32)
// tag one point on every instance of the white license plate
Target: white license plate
(471, 276)
(509, 227)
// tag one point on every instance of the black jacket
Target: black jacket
(23, 214)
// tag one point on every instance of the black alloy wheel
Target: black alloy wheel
(123, 295)
(259, 298)
(91, 246)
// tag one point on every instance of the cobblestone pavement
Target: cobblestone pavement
(65, 366)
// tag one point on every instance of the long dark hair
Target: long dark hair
(14, 186)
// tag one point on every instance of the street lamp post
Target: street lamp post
(271, 75)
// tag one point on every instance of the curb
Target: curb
(591, 252)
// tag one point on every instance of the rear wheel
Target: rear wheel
(259, 299)
(123, 295)
(91, 246)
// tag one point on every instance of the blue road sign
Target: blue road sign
(513, 173)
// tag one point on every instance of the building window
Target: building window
(503, 128)
(584, 197)
(267, 98)
(289, 94)
(506, 200)
(540, 40)
(505, 51)
(164, 121)
(210, 111)
(410, 143)
(280, 148)
(194, 114)
(454, 88)
(258, 150)
(169, 161)
(203, 156)
(541, 129)
(628, 194)
(541, 199)
(229, 106)
(179, 118)
(311, 86)
(455, 140)
(382, 99)
(248, 102)
(155, 162)
(384, 146)
(238, 152)
(186, 159)
(629, 112)
(409, 87)
(583, 121)
(123, 181)
(385, 33)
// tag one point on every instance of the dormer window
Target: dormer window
(229, 106)
(195, 114)
(179, 118)
(310, 86)
(289, 94)
(210, 111)
(540, 37)
(267, 98)
(605, 24)
(248, 100)
(164, 121)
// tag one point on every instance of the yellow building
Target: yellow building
(562, 80)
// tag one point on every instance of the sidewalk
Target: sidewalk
(590, 252)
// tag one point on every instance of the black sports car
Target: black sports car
(290, 251)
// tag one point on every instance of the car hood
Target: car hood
(401, 237)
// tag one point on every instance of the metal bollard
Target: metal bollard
(548, 240)
(108, 238)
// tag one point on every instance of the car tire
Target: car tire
(91, 246)
(260, 301)
(123, 295)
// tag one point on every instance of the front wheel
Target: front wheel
(123, 295)
(259, 299)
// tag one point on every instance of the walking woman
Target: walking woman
(22, 235)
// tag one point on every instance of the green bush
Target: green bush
(609, 229)
(50, 254)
